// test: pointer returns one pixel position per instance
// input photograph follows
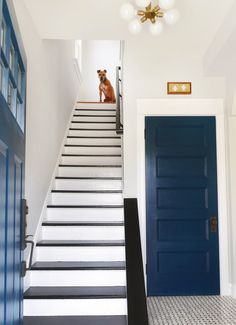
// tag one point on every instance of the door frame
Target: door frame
(188, 107)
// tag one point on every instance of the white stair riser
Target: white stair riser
(94, 141)
(86, 199)
(91, 160)
(98, 106)
(91, 133)
(79, 254)
(89, 172)
(93, 118)
(85, 214)
(93, 150)
(85, 278)
(83, 233)
(75, 307)
(110, 126)
(88, 184)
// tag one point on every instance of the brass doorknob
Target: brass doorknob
(214, 224)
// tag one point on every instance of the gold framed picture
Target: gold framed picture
(179, 88)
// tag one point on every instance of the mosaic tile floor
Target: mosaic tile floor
(209, 310)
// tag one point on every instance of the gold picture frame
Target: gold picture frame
(179, 88)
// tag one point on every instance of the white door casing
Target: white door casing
(188, 107)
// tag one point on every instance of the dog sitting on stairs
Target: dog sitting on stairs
(105, 87)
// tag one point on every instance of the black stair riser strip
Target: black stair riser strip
(91, 146)
(85, 206)
(78, 224)
(87, 192)
(93, 166)
(92, 178)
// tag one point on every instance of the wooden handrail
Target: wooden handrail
(119, 101)
(136, 293)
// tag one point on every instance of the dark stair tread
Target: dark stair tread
(76, 155)
(87, 115)
(95, 110)
(81, 243)
(78, 266)
(87, 178)
(84, 137)
(85, 206)
(81, 224)
(110, 166)
(79, 129)
(93, 146)
(75, 293)
(93, 122)
(75, 320)
(88, 192)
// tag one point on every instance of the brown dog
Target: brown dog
(106, 88)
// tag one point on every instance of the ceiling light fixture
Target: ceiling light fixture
(149, 11)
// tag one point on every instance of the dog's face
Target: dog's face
(102, 75)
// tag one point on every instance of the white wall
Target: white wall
(98, 55)
(52, 89)
(220, 60)
(146, 74)
(232, 155)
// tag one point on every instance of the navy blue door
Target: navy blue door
(12, 157)
(182, 214)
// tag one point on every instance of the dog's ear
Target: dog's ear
(98, 71)
(105, 71)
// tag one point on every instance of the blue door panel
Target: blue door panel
(11, 194)
(18, 178)
(3, 182)
(10, 244)
(181, 178)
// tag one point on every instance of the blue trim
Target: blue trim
(6, 233)
(11, 75)
(12, 135)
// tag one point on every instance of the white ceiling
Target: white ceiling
(99, 19)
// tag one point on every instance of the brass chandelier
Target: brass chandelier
(152, 11)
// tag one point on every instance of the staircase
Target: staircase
(80, 273)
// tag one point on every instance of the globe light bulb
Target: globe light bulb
(135, 26)
(142, 3)
(127, 11)
(172, 16)
(166, 4)
(156, 29)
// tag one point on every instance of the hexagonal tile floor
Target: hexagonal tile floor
(208, 310)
